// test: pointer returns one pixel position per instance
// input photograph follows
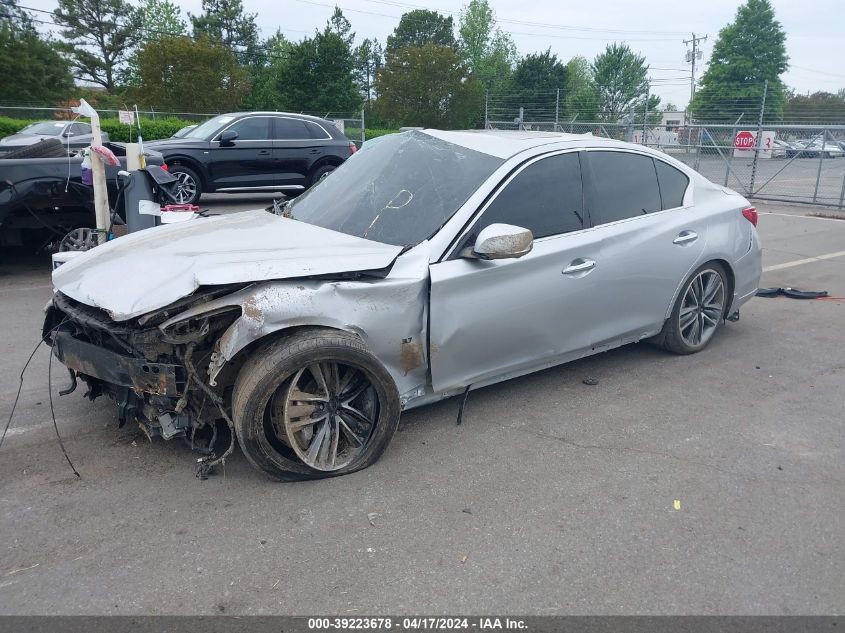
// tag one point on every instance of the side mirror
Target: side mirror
(67, 134)
(503, 241)
(228, 136)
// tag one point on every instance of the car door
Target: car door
(490, 318)
(296, 150)
(247, 161)
(651, 237)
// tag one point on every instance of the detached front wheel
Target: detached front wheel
(315, 404)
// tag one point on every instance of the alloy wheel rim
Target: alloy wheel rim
(328, 414)
(702, 308)
(187, 187)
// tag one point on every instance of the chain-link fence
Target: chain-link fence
(785, 162)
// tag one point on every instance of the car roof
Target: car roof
(507, 143)
(296, 115)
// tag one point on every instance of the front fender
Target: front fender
(390, 316)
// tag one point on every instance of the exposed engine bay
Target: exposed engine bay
(157, 377)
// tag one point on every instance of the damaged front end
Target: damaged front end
(151, 373)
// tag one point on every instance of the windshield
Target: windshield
(204, 130)
(46, 128)
(399, 189)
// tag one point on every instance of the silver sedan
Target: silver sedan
(429, 264)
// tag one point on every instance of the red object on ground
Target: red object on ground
(191, 208)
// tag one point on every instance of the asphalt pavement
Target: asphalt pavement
(704, 484)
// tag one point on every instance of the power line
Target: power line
(545, 25)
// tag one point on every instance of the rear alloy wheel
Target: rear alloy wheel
(314, 404)
(699, 311)
(189, 189)
(320, 174)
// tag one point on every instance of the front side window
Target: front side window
(624, 186)
(546, 198)
(251, 129)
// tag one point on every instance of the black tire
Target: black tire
(48, 148)
(270, 368)
(189, 193)
(671, 338)
(320, 173)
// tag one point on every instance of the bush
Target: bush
(9, 126)
(151, 129)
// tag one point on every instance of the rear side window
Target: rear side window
(291, 130)
(316, 131)
(624, 186)
(546, 197)
(673, 185)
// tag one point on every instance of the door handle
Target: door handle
(314, 151)
(685, 237)
(264, 152)
(580, 265)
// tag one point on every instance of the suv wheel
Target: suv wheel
(320, 173)
(189, 189)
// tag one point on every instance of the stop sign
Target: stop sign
(744, 140)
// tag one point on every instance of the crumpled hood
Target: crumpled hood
(150, 269)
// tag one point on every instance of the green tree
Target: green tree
(489, 52)
(100, 37)
(749, 51)
(31, 68)
(428, 85)
(160, 19)
(225, 21)
(819, 107)
(182, 74)
(369, 57)
(533, 85)
(318, 73)
(621, 78)
(265, 73)
(419, 27)
(580, 97)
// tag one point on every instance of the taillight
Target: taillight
(165, 168)
(352, 148)
(750, 214)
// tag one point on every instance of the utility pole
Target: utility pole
(691, 58)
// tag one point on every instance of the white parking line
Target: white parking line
(800, 262)
(805, 217)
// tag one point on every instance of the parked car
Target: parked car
(75, 135)
(815, 146)
(182, 132)
(429, 264)
(254, 151)
(782, 149)
(43, 198)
